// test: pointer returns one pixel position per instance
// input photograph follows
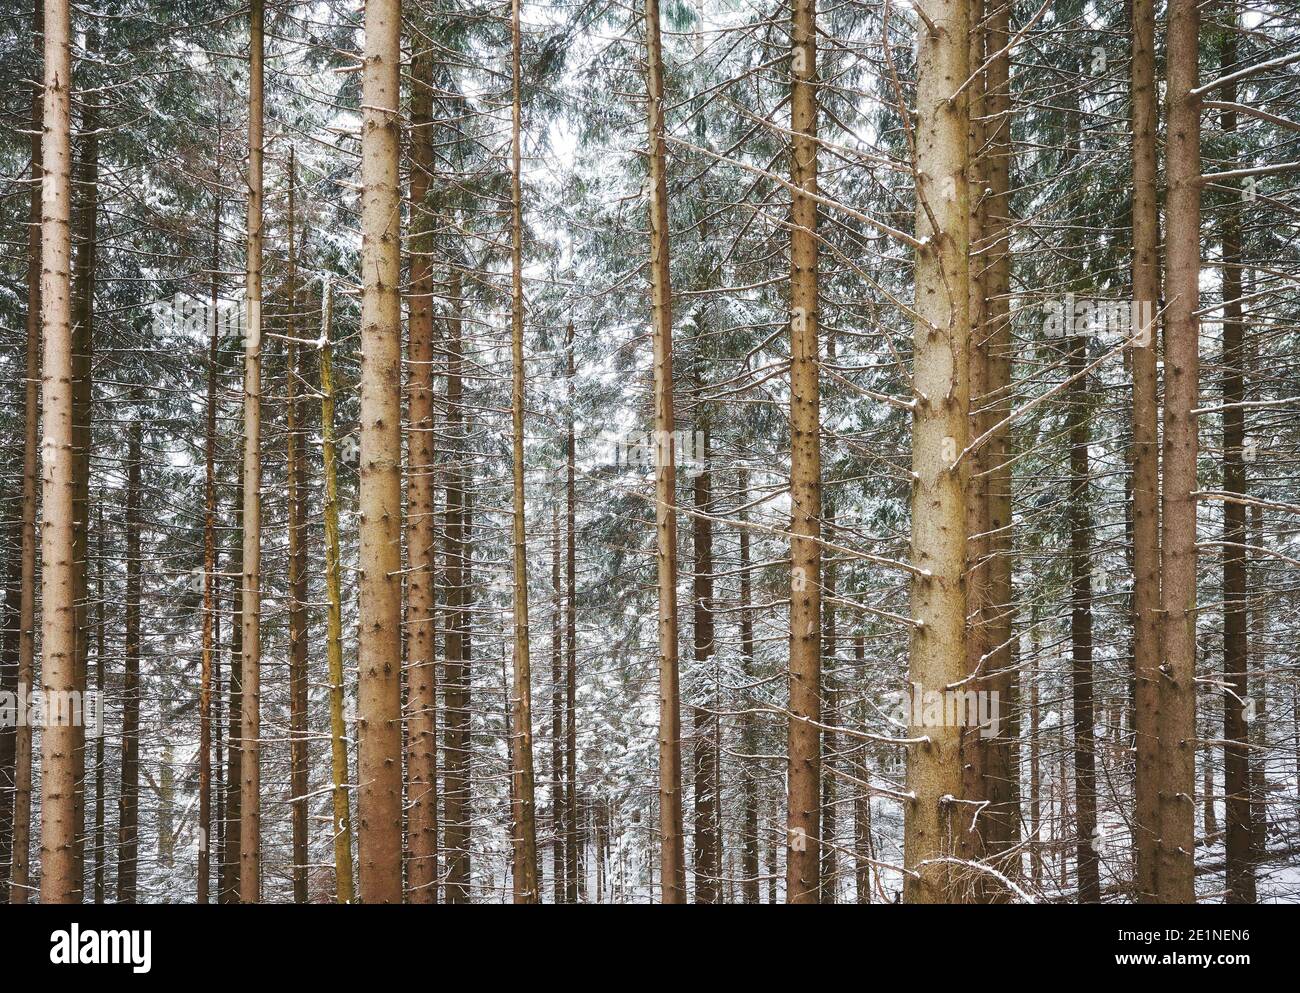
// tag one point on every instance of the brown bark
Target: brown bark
(60, 742)
(296, 509)
(421, 660)
(250, 827)
(1177, 721)
(209, 552)
(1145, 457)
(1239, 811)
(708, 830)
(19, 886)
(342, 819)
(379, 711)
(748, 728)
(456, 786)
(1081, 607)
(525, 820)
(128, 833)
(803, 814)
(672, 862)
(939, 434)
(570, 632)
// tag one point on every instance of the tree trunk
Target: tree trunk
(1002, 757)
(456, 786)
(334, 594)
(1146, 483)
(421, 655)
(60, 742)
(1239, 812)
(128, 834)
(939, 435)
(379, 767)
(209, 553)
(19, 877)
(82, 394)
(748, 728)
(672, 863)
(250, 826)
(228, 877)
(803, 857)
(525, 820)
(296, 510)
(1177, 722)
(570, 632)
(1081, 607)
(708, 833)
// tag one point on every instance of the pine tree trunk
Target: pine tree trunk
(19, 877)
(1177, 722)
(1145, 457)
(456, 786)
(1002, 757)
(672, 862)
(209, 556)
(228, 877)
(803, 855)
(1239, 812)
(525, 820)
(708, 835)
(128, 834)
(60, 742)
(250, 826)
(421, 656)
(82, 393)
(1081, 608)
(557, 714)
(296, 509)
(939, 435)
(749, 869)
(379, 712)
(340, 780)
(101, 848)
(570, 632)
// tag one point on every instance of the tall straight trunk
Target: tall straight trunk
(250, 825)
(82, 392)
(296, 509)
(228, 876)
(748, 727)
(456, 786)
(570, 629)
(939, 435)
(421, 656)
(342, 819)
(9, 684)
(1081, 608)
(59, 743)
(970, 844)
(1002, 758)
(525, 819)
(1145, 456)
(19, 876)
(379, 766)
(1177, 721)
(831, 716)
(1239, 812)
(128, 832)
(557, 714)
(672, 861)
(803, 815)
(101, 852)
(209, 553)
(708, 830)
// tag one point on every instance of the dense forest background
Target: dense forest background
(801, 771)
